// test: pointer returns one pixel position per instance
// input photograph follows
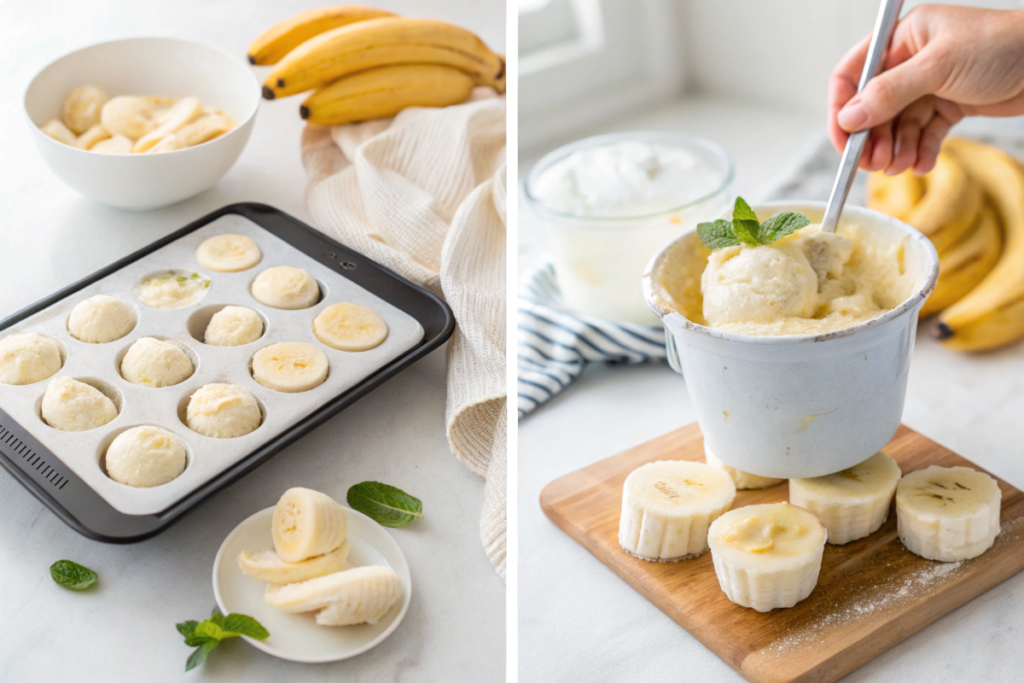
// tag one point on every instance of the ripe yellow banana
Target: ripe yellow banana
(382, 93)
(966, 263)
(383, 42)
(894, 195)
(284, 37)
(992, 314)
(950, 204)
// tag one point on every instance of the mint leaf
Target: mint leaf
(782, 224)
(384, 504)
(199, 656)
(207, 634)
(240, 624)
(717, 235)
(209, 629)
(187, 628)
(747, 231)
(72, 575)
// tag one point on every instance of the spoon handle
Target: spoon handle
(888, 13)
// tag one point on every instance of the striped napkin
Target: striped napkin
(554, 345)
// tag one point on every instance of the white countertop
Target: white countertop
(123, 629)
(607, 631)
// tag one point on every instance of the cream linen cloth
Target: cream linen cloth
(424, 194)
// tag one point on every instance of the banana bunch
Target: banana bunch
(364, 63)
(971, 205)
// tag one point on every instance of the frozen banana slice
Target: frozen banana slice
(948, 513)
(306, 524)
(132, 116)
(150, 362)
(82, 108)
(27, 358)
(100, 319)
(117, 144)
(291, 367)
(229, 254)
(268, 566)
(223, 411)
(59, 132)
(767, 556)
(853, 503)
(182, 112)
(203, 129)
(667, 507)
(355, 596)
(233, 326)
(350, 327)
(90, 137)
(286, 288)
(73, 406)
(743, 480)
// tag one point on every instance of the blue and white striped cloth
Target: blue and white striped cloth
(554, 345)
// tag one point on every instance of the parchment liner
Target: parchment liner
(164, 407)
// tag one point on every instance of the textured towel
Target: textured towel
(554, 345)
(424, 194)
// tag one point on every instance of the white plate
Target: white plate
(297, 637)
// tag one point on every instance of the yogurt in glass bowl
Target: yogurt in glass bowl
(606, 203)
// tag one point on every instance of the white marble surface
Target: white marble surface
(124, 628)
(605, 630)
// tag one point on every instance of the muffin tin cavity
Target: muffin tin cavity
(172, 288)
(200, 320)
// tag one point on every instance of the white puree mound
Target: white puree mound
(101, 319)
(154, 363)
(144, 457)
(73, 406)
(223, 411)
(27, 358)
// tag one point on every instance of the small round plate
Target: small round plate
(297, 637)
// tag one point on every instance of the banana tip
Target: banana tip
(304, 111)
(252, 60)
(268, 94)
(942, 331)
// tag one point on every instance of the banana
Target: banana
(133, 116)
(267, 566)
(284, 37)
(767, 556)
(184, 111)
(290, 367)
(948, 513)
(963, 265)
(82, 107)
(991, 314)
(90, 137)
(228, 253)
(894, 195)
(949, 205)
(853, 503)
(667, 506)
(203, 129)
(383, 42)
(59, 132)
(306, 524)
(350, 327)
(743, 480)
(356, 596)
(286, 288)
(117, 144)
(384, 92)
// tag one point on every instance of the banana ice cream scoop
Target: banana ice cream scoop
(233, 326)
(223, 411)
(350, 327)
(228, 253)
(286, 288)
(154, 363)
(100, 319)
(743, 480)
(291, 367)
(767, 556)
(27, 358)
(144, 457)
(356, 596)
(73, 406)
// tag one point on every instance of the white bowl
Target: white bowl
(297, 637)
(802, 405)
(145, 66)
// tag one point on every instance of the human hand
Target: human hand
(944, 63)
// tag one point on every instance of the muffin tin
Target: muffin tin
(65, 469)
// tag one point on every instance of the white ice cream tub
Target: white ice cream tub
(801, 405)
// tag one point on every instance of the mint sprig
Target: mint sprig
(206, 635)
(386, 505)
(745, 228)
(72, 575)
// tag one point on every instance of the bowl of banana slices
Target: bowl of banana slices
(140, 123)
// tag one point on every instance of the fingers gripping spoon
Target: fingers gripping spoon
(888, 13)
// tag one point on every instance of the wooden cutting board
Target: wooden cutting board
(871, 593)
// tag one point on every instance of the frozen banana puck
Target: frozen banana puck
(172, 289)
(307, 524)
(948, 513)
(743, 480)
(73, 406)
(767, 556)
(144, 457)
(357, 596)
(223, 411)
(286, 288)
(853, 503)
(228, 253)
(233, 326)
(154, 363)
(667, 507)
(268, 566)
(27, 358)
(100, 319)
(350, 327)
(290, 367)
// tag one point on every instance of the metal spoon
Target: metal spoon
(888, 13)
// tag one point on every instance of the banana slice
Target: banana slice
(204, 129)
(948, 513)
(767, 556)
(233, 326)
(350, 327)
(90, 137)
(291, 367)
(229, 253)
(286, 288)
(356, 596)
(223, 411)
(853, 503)
(744, 480)
(59, 132)
(667, 507)
(182, 112)
(133, 116)
(117, 144)
(100, 319)
(306, 524)
(82, 108)
(267, 566)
